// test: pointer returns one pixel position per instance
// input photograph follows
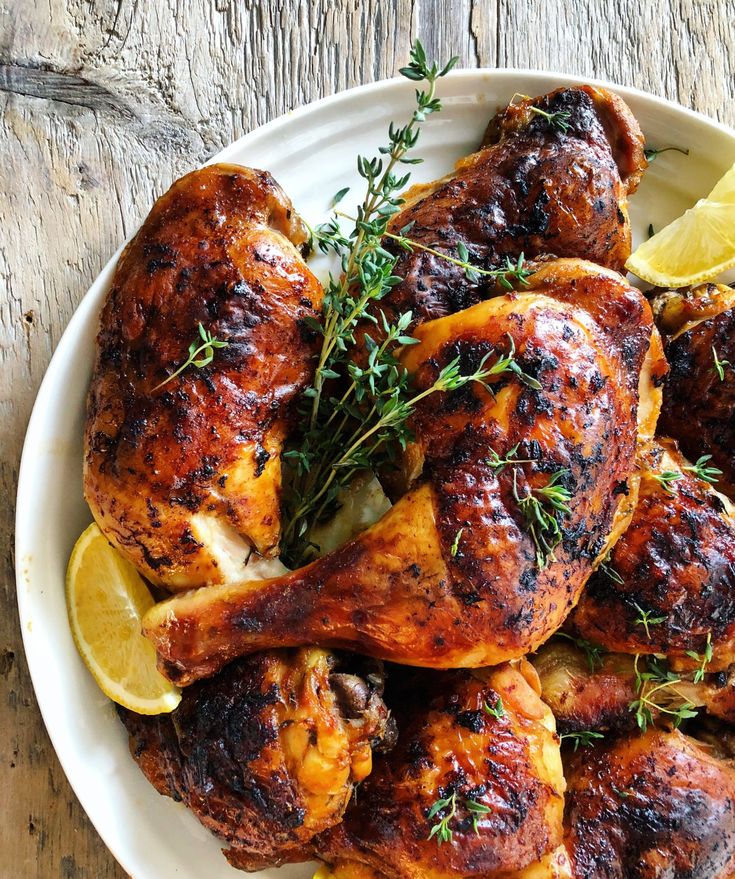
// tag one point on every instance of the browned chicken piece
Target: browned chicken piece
(699, 402)
(267, 753)
(589, 689)
(648, 807)
(473, 788)
(456, 573)
(537, 186)
(669, 585)
(182, 472)
(586, 690)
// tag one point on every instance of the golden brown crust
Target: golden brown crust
(265, 755)
(400, 590)
(677, 564)
(650, 806)
(450, 746)
(698, 405)
(183, 478)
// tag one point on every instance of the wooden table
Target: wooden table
(104, 104)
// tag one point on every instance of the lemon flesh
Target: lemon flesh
(106, 599)
(696, 247)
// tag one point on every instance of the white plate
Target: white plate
(311, 152)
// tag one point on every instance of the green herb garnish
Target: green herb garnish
(584, 737)
(497, 710)
(441, 830)
(704, 659)
(703, 471)
(540, 507)
(646, 619)
(206, 348)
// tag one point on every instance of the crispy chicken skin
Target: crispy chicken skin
(401, 590)
(677, 564)
(184, 478)
(648, 807)
(266, 754)
(532, 189)
(698, 405)
(450, 748)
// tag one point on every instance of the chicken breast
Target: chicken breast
(182, 469)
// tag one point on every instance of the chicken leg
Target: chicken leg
(451, 575)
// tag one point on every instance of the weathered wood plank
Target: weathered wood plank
(104, 103)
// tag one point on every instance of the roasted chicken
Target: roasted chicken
(700, 397)
(460, 572)
(552, 177)
(267, 754)
(182, 470)
(474, 787)
(648, 807)
(669, 584)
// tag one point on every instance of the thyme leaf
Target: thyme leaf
(200, 355)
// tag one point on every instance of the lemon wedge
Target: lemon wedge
(106, 599)
(696, 247)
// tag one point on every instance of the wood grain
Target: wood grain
(105, 103)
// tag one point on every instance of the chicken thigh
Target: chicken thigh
(669, 585)
(464, 570)
(267, 753)
(699, 402)
(651, 806)
(474, 787)
(553, 177)
(182, 468)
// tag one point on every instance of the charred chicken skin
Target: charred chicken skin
(651, 806)
(490, 783)
(533, 188)
(182, 472)
(674, 565)
(700, 398)
(266, 754)
(451, 576)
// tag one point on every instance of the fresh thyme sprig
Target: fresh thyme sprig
(363, 424)
(652, 154)
(445, 809)
(704, 659)
(593, 652)
(543, 523)
(704, 471)
(657, 694)
(497, 463)
(559, 120)
(363, 429)
(206, 348)
(497, 710)
(585, 738)
(609, 571)
(667, 478)
(441, 830)
(476, 810)
(507, 276)
(646, 619)
(720, 365)
(455, 545)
